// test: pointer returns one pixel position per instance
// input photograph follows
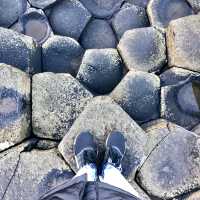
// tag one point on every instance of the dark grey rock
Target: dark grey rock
(191, 196)
(102, 9)
(101, 70)
(195, 5)
(143, 49)
(196, 129)
(11, 10)
(174, 75)
(139, 95)
(14, 106)
(61, 54)
(46, 144)
(42, 3)
(57, 100)
(69, 18)
(162, 12)
(180, 103)
(34, 23)
(19, 51)
(141, 3)
(173, 168)
(129, 18)
(183, 41)
(98, 34)
(101, 117)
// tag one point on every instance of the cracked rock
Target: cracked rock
(57, 100)
(183, 41)
(177, 107)
(143, 49)
(69, 18)
(195, 5)
(101, 117)
(62, 55)
(14, 106)
(101, 70)
(162, 12)
(129, 18)
(11, 11)
(98, 34)
(42, 3)
(139, 95)
(19, 51)
(173, 168)
(34, 23)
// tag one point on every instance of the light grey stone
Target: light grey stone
(196, 129)
(42, 3)
(195, 5)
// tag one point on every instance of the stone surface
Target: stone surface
(141, 3)
(14, 106)
(61, 54)
(19, 50)
(69, 18)
(98, 34)
(34, 23)
(102, 8)
(101, 117)
(173, 168)
(180, 103)
(30, 181)
(196, 129)
(57, 100)
(10, 11)
(143, 49)
(192, 196)
(129, 18)
(162, 12)
(195, 5)
(101, 70)
(183, 41)
(42, 3)
(139, 95)
(174, 75)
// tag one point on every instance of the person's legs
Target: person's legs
(111, 173)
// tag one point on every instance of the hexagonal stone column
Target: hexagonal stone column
(180, 103)
(42, 3)
(19, 51)
(143, 49)
(69, 18)
(14, 106)
(98, 34)
(183, 41)
(101, 70)
(173, 168)
(57, 100)
(195, 5)
(129, 18)
(62, 55)
(139, 95)
(162, 12)
(101, 117)
(11, 11)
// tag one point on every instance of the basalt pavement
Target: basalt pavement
(68, 66)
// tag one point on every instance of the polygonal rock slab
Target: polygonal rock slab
(34, 173)
(173, 168)
(101, 70)
(14, 106)
(162, 12)
(180, 103)
(183, 41)
(143, 49)
(11, 10)
(34, 23)
(101, 117)
(98, 34)
(19, 51)
(129, 18)
(196, 129)
(61, 55)
(57, 100)
(195, 5)
(192, 196)
(139, 95)
(174, 75)
(69, 18)
(141, 3)
(41, 3)
(102, 8)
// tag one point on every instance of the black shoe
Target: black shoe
(85, 149)
(115, 149)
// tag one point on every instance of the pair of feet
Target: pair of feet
(86, 151)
